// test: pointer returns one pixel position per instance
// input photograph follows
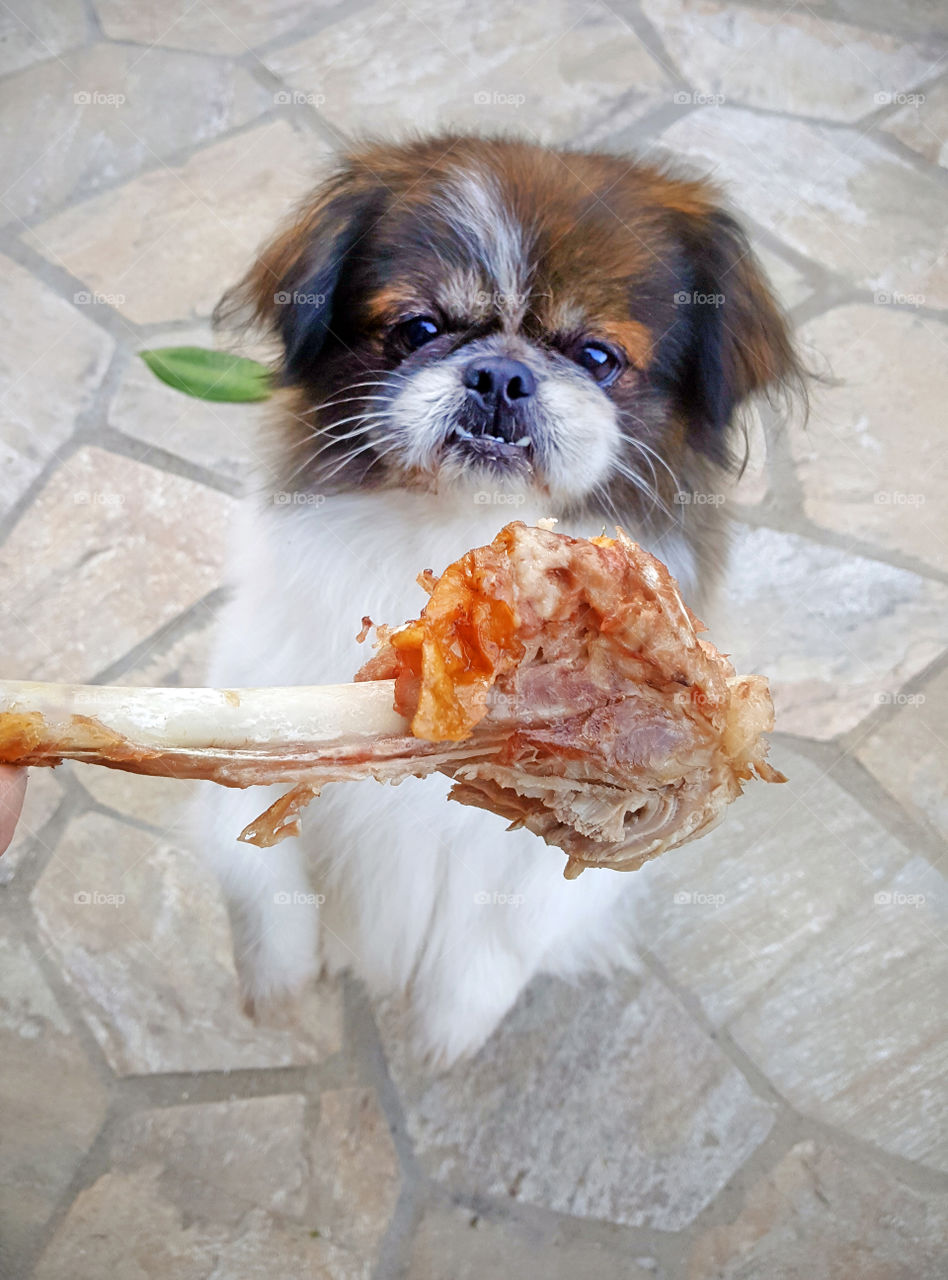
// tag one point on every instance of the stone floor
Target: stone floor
(767, 1093)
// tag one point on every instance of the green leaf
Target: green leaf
(210, 375)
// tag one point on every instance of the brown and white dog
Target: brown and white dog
(473, 330)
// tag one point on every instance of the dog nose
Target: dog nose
(496, 380)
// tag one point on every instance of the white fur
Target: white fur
(420, 893)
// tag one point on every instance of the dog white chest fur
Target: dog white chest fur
(409, 890)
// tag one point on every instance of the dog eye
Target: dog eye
(604, 363)
(414, 333)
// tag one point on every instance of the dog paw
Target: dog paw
(277, 1011)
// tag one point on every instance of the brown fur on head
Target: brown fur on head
(457, 307)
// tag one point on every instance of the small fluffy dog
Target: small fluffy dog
(474, 331)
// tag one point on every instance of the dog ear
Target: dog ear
(289, 291)
(737, 340)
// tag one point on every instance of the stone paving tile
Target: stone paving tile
(184, 663)
(920, 18)
(166, 245)
(867, 1052)
(212, 1190)
(922, 123)
(51, 1101)
(226, 26)
(160, 801)
(72, 125)
(802, 64)
(601, 1100)
(812, 185)
(789, 284)
(52, 361)
(140, 931)
(836, 633)
(355, 1172)
(221, 437)
(478, 1248)
(33, 30)
(109, 552)
(821, 1216)
(552, 71)
(907, 753)
(727, 914)
(872, 459)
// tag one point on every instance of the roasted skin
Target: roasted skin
(614, 730)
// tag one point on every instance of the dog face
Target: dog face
(459, 311)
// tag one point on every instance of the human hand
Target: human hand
(12, 791)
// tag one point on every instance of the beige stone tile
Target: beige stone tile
(226, 26)
(43, 795)
(70, 126)
(139, 929)
(821, 1216)
(921, 122)
(487, 1249)
(212, 1190)
(32, 30)
(800, 63)
(52, 361)
(872, 460)
(602, 1100)
(788, 283)
(183, 664)
(833, 194)
(909, 753)
(221, 437)
(110, 551)
(555, 71)
(921, 18)
(51, 1100)
(727, 914)
(167, 244)
(355, 1173)
(160, 801)
(855, 1030)
(834, 632)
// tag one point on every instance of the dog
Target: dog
(472, 330)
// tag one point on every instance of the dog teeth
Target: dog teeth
(523, 442)
(464, 434)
